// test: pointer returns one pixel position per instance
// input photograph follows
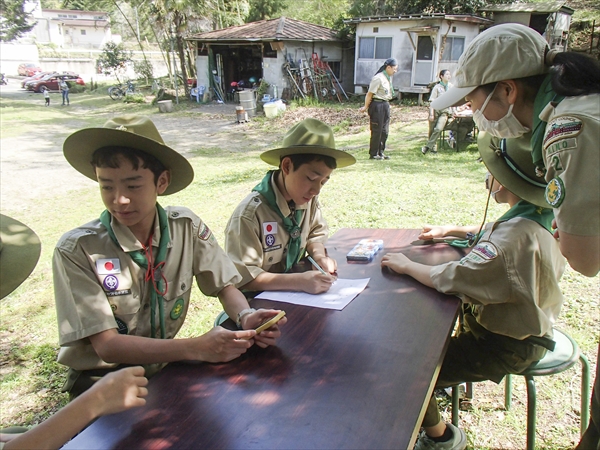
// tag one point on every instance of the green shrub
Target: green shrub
(75, 88)
(134, 98)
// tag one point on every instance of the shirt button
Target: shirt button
(183, 286)
(175, 214)
(146, 306)
(256, 199)
(271, 259)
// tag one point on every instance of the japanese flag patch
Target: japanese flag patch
(108, 266)
(269, 228)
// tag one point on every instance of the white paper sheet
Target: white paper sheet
(342, 292)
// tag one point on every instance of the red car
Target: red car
(28, 69)
(37, 76)
(52, 82)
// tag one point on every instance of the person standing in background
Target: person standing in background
(437, 119)
(64, 89)
(377, 104)
(46, 97)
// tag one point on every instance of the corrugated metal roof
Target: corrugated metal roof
(542, 7)
(81, 23)
(403, 17)
(280, 29)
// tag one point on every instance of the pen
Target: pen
(314, 263)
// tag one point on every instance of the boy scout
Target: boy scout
(281, 219)
(508, 283)
(123, 281)
(19, 252)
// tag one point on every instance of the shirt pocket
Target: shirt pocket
(176, 303)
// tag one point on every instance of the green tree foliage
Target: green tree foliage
(113, 59)
(320, 12)
(363, 8)
(266, 9)
(14, 20)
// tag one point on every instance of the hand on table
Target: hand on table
(432, 232)
(395, 261)
(118, 391)
(268, 336)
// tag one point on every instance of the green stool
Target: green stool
(221, 317)
(564, 356)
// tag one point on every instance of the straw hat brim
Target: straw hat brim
(80, 146)
(273, 157)
(20, 252)
(506, 176)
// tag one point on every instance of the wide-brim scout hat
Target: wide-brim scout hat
(19, 253)
(509, 162)
(136, 132)
(311, 136)
(503, 52)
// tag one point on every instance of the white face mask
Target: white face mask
(507, 127)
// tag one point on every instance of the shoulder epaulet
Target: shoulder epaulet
(181, 212)
(69, 240)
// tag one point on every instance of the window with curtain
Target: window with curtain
(455, 46)
(375, 48)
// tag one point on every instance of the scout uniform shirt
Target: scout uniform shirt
(511, 277)
(256, 240)
(380, 87)
(436, 91)
(571, 149)
(98, 286)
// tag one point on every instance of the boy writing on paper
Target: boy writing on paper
(123, 281)
(508, 284)
(281, 220)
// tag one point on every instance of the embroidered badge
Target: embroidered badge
(121, 326)
(110, 283)
(561, 128)
(563, 144)
(177, 309)
(269, 227)
(485, 250)
(269, 240)
(204, 232)
(108, 266)
(118, 293)
(555, 192)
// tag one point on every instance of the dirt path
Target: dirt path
(33, 166)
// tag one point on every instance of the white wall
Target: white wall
(12, 54)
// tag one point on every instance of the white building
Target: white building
(73, 29)
(423, 44)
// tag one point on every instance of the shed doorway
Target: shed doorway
(424, 61)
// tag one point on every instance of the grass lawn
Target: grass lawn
(407, 191)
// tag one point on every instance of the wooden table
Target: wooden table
(356, 378)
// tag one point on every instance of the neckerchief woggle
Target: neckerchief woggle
(544, 96)
(390, 81)
(294, 252)
(140, 259)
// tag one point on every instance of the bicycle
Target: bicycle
(118, 91)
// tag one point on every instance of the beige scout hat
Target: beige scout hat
(136, 132)
(19, 253)
(509, 162)
(503, 52)
(311, 136)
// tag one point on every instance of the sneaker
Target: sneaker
(375, 157)
(458, 441)
(452, 143)
(424, 149)
(384, 156)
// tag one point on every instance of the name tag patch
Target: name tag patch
(118, 293)
(269, 227)
(561, 128)
(270, 249)
(108, 266)
(563, 144)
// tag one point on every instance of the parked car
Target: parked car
(28, 69)
(35, 77)
(52, 82)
